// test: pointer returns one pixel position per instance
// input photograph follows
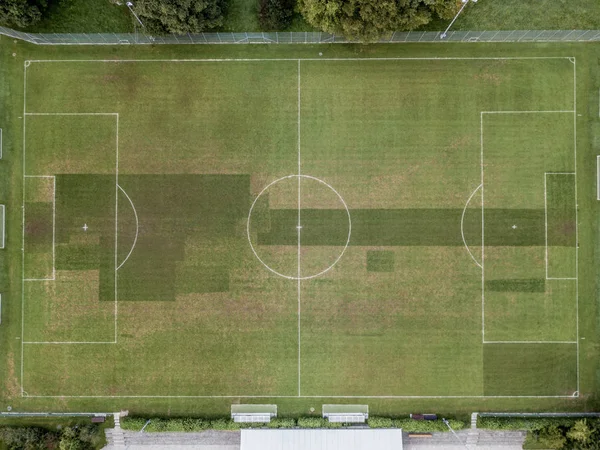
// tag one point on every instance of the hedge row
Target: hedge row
(524, 423)
(191, 424)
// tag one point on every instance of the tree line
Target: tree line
(362, 20)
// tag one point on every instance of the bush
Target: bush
(224, 424)
(78, 437)
(281, 423)
(132, 423)
(523, 423)
(22, 438)
(317, 422)
(426, 426)
(275, 15)
(190, 424)
(312, 422)
(380, 422)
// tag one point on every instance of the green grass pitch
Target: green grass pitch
(407, 226)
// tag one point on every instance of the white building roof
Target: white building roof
(322, 439)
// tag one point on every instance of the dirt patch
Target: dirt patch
(11, 384)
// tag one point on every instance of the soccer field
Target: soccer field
(293, 227)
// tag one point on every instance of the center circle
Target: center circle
(306, 212)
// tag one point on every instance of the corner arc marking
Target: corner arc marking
(137, 228)
(462, 220)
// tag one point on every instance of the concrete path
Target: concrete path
(115, 436)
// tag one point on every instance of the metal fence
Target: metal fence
(300, 37)
(538, 415)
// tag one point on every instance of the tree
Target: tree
(180, 16)
(275, 15)
(69, 440)
(370, 20)
(21, 13)
(552, 437)
(23, 438)
(580, 432)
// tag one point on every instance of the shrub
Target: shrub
(191, 424)
(224, 424)
(18, 438)
(380, 422)
(281, 423)
(425, 426)
(523, 423)
(275, 15)
(312, 422)
(132, 423)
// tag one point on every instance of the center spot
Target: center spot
(298, 227)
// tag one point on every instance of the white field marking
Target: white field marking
(339, 256)
(527, 112)
(67, 342)
(137, 227)
(462, 231)
(0, 143)
(530, 342)
(482, 234)
(576, 212)
(299, 227)
(53, 227)
(597, 177)
(27, 63)
(23, 342)
(432, 58)
(117, 220)
(483, 397)
(546, 222)
(3, 225)
(574, 112)
(23, 227)
(71, 114)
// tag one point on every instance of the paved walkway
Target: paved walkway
(471, 438)
(488, 440)
(115, 436)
